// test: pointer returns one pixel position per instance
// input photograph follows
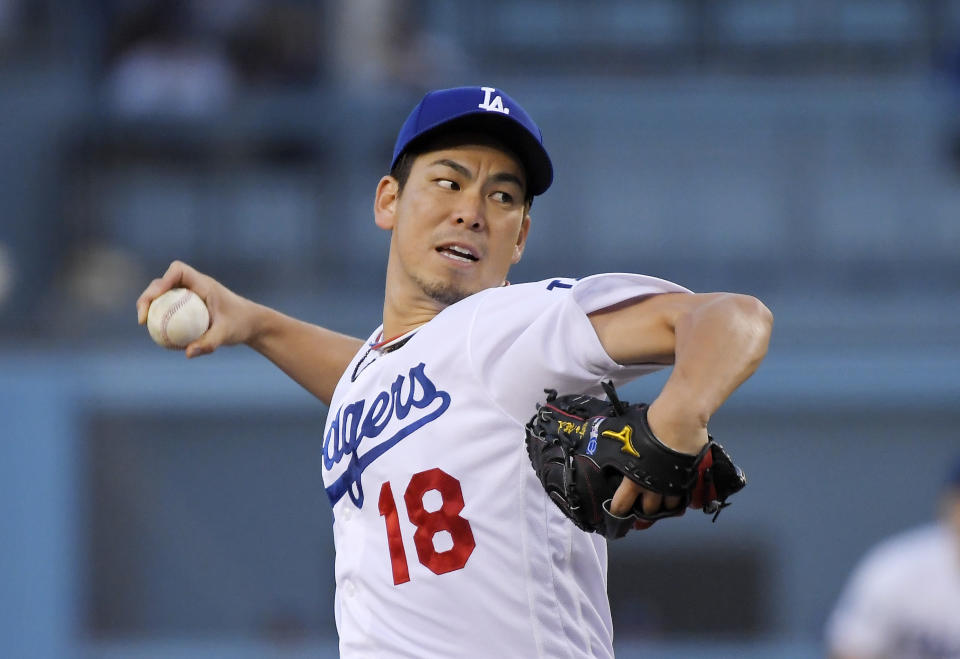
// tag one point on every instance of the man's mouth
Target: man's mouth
(458, 253)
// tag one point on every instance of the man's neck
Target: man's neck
(402, 314)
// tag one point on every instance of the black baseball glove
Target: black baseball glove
(581, 447)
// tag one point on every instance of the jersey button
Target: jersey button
(348, 588)
(347, 514)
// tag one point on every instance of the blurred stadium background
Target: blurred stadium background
(805, 151)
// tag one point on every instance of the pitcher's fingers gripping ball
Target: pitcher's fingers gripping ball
(581, 447)
(177, 318)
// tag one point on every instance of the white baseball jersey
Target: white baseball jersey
(903, 600)
(446, 544)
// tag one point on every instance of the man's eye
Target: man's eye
(448, 184)
(503, 197)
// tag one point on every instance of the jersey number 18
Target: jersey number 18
(428, 523)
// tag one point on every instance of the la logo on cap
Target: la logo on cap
(495, 105)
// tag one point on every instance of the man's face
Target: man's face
(459, 223)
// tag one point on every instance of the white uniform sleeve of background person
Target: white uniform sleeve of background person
(903, 599)
(529, 337)
(860, 622)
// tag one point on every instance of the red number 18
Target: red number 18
(428, 523)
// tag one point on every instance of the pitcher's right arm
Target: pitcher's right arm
(313, 356)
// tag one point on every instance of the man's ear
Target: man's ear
(385, 203)
(521, 238)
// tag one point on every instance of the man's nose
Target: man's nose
(476, 224)
(471, 212)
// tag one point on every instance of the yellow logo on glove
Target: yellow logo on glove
(570, 428)
(624, 438)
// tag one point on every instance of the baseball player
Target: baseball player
(447, 545)
(903, 599)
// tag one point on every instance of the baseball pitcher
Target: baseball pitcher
(475, 453)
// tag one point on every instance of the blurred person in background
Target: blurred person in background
(377, 43)
(165, 63)
(903, 599)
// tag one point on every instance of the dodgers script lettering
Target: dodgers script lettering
(355, 422)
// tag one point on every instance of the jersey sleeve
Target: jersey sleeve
(538, 336)
(862, 620)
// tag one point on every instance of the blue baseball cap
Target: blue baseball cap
(485, 110)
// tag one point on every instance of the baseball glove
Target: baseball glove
(581, 447)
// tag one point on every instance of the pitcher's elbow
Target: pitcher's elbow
(754, 318)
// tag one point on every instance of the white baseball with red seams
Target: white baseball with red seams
(177, 318)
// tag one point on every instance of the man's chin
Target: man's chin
(445, 292)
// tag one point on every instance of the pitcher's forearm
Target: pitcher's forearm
(719, 345)
(313, 356)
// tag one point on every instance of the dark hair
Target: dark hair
(401, 169)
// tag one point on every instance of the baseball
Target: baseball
(177, 318)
